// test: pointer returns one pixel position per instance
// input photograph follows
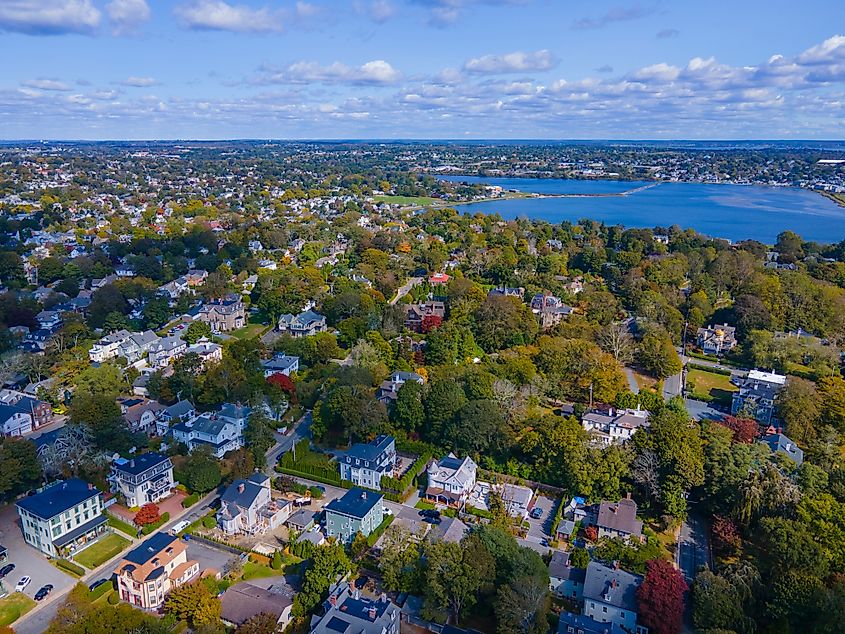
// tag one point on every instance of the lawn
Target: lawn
(102, 551)
(250, 331)
(122, 526)
(709, 386)
(424, 505)
(13, 607)
(644, 381)
(420, 201)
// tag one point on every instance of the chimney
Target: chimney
(628, 495)
(90, 487)
(333, 600)
(363, 495)
(383, 597)
(241, 487)
(372, 613)
(616, 565)
(132, 464)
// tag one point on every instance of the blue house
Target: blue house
(357, 511)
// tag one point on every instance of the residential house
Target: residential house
(610, 596)
(365, 463)
(208, 352)
(142, 479)
(178, 412)
(304, 324)
(615, 426)
(756, 395)
(438, 278)
(388, 391)
(717, 340)
(415, 314)
(150, 571)
(571, 623)
(450, 529)
(40, 411)
(236, 414)
(166, 350)
(358, 511)
(450, 480)
(15, 421)
(49, 319)
(302, 520)
(280, 364)
(345, 612)
(63, 517)
(779, 443)
(550, 310)
(211, 431)
(247, 507)
(507, 291)
(223, 315)
(195, 277)
(132, 346)
(140, 414)
(619, 519)
(516, 498)
(565, 580)
(242, 601)
(174, 289)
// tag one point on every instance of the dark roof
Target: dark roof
(139, 464)
(612, 586)
(586, 624)
(150, 548)
(370, 451)
(80, 530)
(245, 498)
(355, 503)
(242, 601)
(58, 497)
(781, 443)
(559, 568)
(338, 624)
(620, 516)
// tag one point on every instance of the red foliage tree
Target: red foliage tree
(285, 383)
(746, 430)
(591, 533)
(148, 514)
(726, 537)
(429, 323)
(660, 598)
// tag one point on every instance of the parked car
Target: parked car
(536, 512)
(430, 513)
(5, 570)
(97, 584)
(23, 583)
(43, 591)
(431, 519)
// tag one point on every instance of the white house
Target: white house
(365, 464)
(143, 479)
(616, 426)
(302, 325)
(166, 350)
(280, 364)
(14, 421)
(247, 506)
(450, 480)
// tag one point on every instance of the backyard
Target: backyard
(13, 607)
(101, 551)
(709, 386)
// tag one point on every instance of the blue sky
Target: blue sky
(539, 69)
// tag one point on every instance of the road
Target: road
(632, 381)
(284, 442)
(404, 289)
(693, 547)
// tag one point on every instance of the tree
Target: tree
(20, 468)
(195, 331)
(400, 560)
(156, 312)
(660, 598)
(726, 537)
(258, 435)
(276, 564)
(616, 340)
(522, 605)
(501, 322)
(359, 545)
(716, 605)
(408, 412)
(579, 558)
(452, 582)
(745, 430)
(798, 405)
(101, 414)
(442, 402)
(657, 354)
(477, 429)
(203, 471)
(262, 623)
(327, 563)
(192, 602)
(148, 514)
(284, 383)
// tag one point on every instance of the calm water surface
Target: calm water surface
(736, 212)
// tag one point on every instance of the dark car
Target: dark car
(430, 513)
(361, 582)
(6, 570)
(536, 512)
(43, 591)
(97, 584)
(431, 519)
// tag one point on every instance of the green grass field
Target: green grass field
(709, 386)
(13, 607)
(102, 551)
(250, 331)
(420, 201)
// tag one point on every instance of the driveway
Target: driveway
(29, 561)
(693, 547)
(700, 410)
(540, 529)
(404, 289)
(209, 557)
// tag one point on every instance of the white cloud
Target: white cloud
(127, 15)
(517, 62)
(216, 15)
(831, 49)
(662, 72)
(378, 11)
(376, 72)
(139, 82)
(46, 84)
(613, 15)
(49, 17)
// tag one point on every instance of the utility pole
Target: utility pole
(591, 395)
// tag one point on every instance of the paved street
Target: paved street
(693, 547)
(284, 442)
(403, 290)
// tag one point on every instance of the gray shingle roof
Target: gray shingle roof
(612, 586)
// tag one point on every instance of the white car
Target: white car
(22, 584)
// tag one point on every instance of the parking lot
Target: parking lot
(539, 529)
(27, 560)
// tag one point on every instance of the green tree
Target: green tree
(799, 405)
(192, 602)
(156, 312)
(408, 412)
(327, 563)
(657, 354)
(443, 401)
(21, 469)
(101, 414)
(203, 470)
(522, 606)
(400, 560)
(452, 583)
(195, 331)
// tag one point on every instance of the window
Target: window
(604, 609)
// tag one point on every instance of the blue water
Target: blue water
(735, 212)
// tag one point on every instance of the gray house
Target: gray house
(357, 511)
(610, 596)
(564, 579)
(365, 463)
(346, 613)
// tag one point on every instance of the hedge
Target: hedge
(149, 528)
(119, 524)
(100, 590)
(401, 485)
(70, 567)
(312, 476)
(478, 512)
(189, 501)
(707, 368)
(372, 538)
(114, 597)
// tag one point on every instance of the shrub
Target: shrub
(149, 528)
(372, 538)
(120, 525)
(276, 564)
(149, 514)
(114, 598)
(100, 590)
(209, 521)
(70, 567)
(479, 512)
(189, 501)
(259, 559)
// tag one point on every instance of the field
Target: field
(709, 386)
(249, 331)
(13, 607)
(102, 551)
(417, 201)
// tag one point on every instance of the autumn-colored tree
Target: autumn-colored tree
(430, 322)
(591, 533)
(283, 382)
(726, 538)
(746, 430)
(660, 598)
(148, 514)
(263, 623)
